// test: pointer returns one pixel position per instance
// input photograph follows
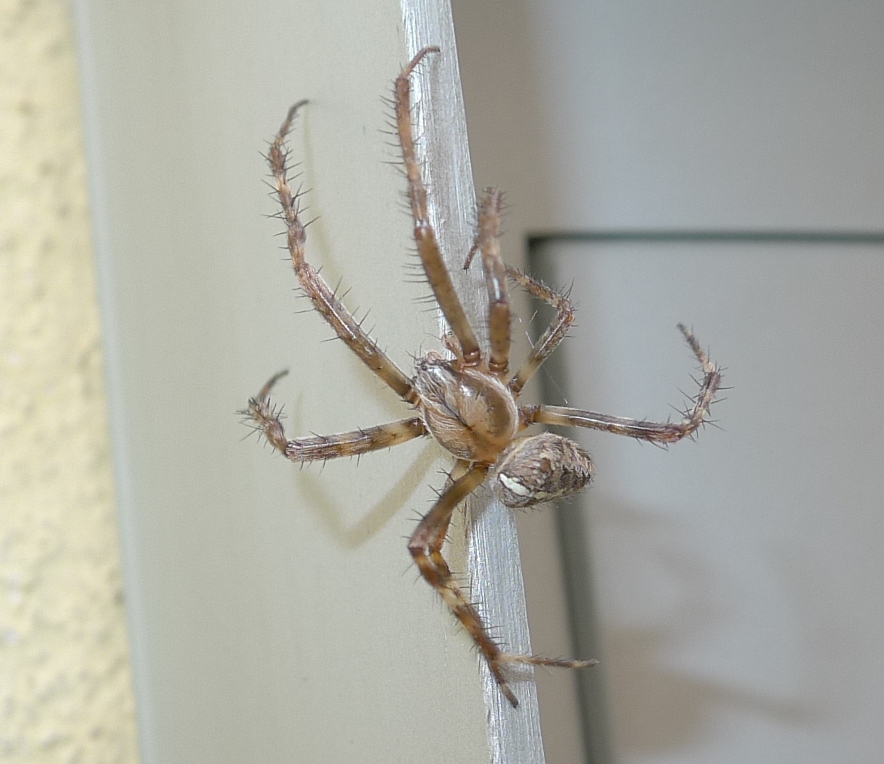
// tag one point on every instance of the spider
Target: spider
(467, 402)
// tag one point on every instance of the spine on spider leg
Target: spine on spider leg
(277, 158)
(709, 387)
(267, 420)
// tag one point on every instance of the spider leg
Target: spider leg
(324, 447)
(424, 235)
(655, 432)
(324, 299)
(425, 546)
(488, 242)
(554, 333)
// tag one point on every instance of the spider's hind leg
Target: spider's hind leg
(425, 546)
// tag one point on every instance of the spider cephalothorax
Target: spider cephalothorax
(469, 403)
(473, 415)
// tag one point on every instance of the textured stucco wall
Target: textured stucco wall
(65, 689)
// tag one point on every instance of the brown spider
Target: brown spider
(467, 404)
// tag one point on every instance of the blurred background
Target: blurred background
(720, 165)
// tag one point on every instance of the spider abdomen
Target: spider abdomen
(540, 468)
(471, 413)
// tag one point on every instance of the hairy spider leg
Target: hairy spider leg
(321, 295)
(655, 432)
(488, 243)
(325, 447)
(424, 235)
(554, 333)
(425, 546)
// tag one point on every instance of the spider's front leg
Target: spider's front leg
(323, 297)
(424, 235)
(325, 447)
(655, 432)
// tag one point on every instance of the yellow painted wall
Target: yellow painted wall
(65, 688)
